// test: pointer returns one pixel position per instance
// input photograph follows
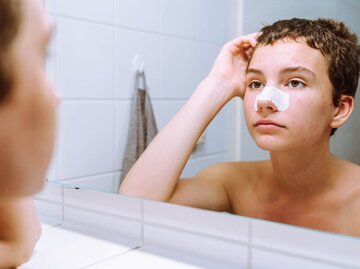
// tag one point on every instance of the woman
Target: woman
(298, 79)
(27, 116)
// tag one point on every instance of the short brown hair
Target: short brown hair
(10, 18)
(334, 40)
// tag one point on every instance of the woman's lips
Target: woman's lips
(268, 124)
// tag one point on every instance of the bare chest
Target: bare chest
(332, 217)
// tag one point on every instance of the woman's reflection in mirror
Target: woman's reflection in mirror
(297, 79)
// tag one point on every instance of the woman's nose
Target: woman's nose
(266, 105)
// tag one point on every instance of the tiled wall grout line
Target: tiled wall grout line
(103, 213)
(197, 233)
(195, 39)
(109, 258)
(86, 176)
(134, 29)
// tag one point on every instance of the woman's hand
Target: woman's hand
(230, 66)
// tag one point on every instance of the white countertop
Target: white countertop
(63, 248)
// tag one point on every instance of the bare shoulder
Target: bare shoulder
(351, 178)
(230, 173)
(214, 187)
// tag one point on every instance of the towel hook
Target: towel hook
(139, 68)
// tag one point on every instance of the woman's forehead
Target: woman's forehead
(285, 53)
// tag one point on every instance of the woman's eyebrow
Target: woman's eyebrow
(254, 71)
(298, 69)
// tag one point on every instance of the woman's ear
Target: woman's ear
(343, 111)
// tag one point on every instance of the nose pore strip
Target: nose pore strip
(278, 97)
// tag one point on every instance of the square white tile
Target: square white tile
(217, 135)
(178, 68)
(86, 139)
(205, 58)
(213, 23)
(85, 59)
(165, 110)
(178, 18)
(96, 10)
(139, 14)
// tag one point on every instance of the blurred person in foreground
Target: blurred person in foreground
(27, 129)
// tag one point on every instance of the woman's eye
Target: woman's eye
(295, 84)
(256, 85)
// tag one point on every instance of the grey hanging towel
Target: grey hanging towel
(142, 127)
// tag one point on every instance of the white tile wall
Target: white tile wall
(85, 59)
(310, 243)
(139, 14)
(213, 24)
(103, 202)
(178, 68)
(86, 139)
(115, 217)
(130, 43)
(96, 10)
(262, 259)
(195, 249)
(167, 110)
(91, 62)
(206, 54)
(222, 225)
(190, 170)
(179, 18)
(113, 228)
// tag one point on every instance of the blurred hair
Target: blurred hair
(10, 19)
(337, 44)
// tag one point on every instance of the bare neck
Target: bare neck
(305, 172)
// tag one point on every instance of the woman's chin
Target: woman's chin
(270, 143)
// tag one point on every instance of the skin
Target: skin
(26, 136)
(302, 183)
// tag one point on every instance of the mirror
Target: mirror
(92, 62)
